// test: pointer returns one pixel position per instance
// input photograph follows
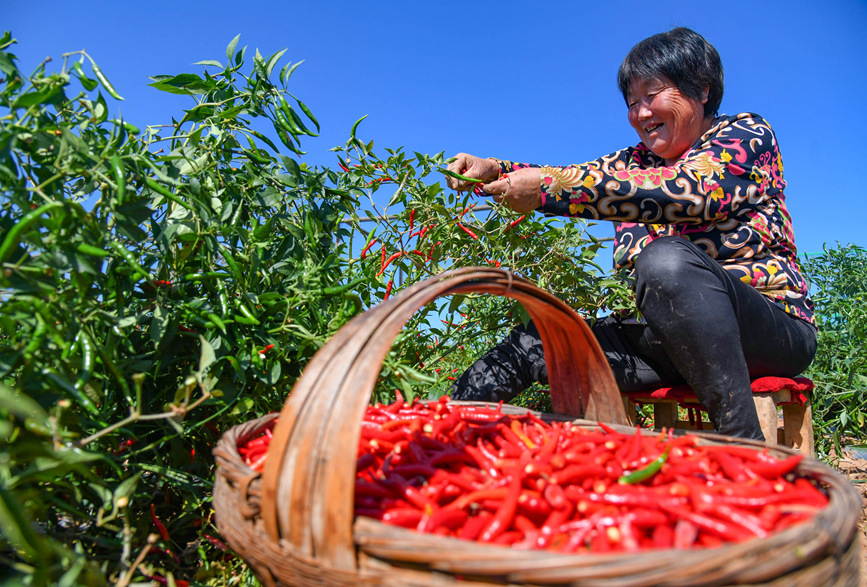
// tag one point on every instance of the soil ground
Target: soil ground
(856, 470)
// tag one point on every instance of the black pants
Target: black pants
(704, 327)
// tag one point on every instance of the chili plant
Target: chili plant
(159, 285)
(838, 279)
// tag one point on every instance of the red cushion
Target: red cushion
(799, 386)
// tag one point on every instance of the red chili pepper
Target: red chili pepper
(515, 222)
(474, 526)
(518, 429)
(367, 248)
(411, 218)
(343, 167)
(388, 289)
(771, 470)
(468, 231)
(164, 533)
(408, 518)
(388, 261)
(217, 542)
(459, 464)
(430, 254)
(504, 516)
(722, 529)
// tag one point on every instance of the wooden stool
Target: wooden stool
(791, 394)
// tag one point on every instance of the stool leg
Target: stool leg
(798, 427)
(767, 412)
(665, 414)
(630, 408)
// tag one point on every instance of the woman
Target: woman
(701, 221)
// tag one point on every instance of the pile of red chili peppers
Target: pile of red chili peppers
(478, 474)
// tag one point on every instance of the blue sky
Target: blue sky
(517, 80)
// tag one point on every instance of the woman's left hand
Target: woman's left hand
(520, 190)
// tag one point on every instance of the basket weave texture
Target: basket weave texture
(294, 524)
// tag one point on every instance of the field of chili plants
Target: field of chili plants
(162, 284)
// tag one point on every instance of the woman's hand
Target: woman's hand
(520, 190)
(485, 170)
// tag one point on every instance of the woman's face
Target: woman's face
(667, 121)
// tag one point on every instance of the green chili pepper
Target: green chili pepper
(87, 249)
(87, 356)
(355, 127)
(206, 275)
(70, 349)
(233, 266)
(167, 193)
(244, 320)
(217, 321)
(14, 234)
(459, 176)
(133, 263)
(197, 320)
(105, 83)
(119, 178)
(38, 336)
(283, 118)
(339, 289)
(296, 120)
(264, 139)
(248, 315)
(647, 472)
(255, 156)
(223, 297)
(309, 114)
(286, 111)
(284, 138)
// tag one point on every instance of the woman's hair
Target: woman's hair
(684, 57)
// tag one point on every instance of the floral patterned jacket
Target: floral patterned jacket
(725, 195)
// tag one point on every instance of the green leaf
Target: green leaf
(45, 94)
(19, 405)
(7, 64)
(89, 84)
(208, 357)
(272, 61)
(210, 62)
(185, 84)
(287, 71)
(455, 303)
(126, 487)
(230, 49)
(16, 528)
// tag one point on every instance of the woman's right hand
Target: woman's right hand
(485, 170)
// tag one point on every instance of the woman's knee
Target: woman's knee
(667, 257)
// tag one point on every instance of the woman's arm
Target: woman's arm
(736, 165)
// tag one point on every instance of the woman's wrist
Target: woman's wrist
(497, 169)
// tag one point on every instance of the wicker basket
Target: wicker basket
(294, 524)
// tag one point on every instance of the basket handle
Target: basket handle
(309, 479)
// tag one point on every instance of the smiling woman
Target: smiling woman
(702, 226)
